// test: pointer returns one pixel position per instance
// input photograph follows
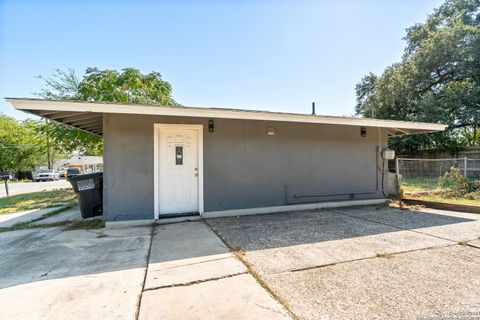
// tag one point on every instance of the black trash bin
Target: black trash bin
(89, 190)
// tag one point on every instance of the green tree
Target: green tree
(20, 147)
(437, 80)
(128, 86)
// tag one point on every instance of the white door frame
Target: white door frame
(156, 181)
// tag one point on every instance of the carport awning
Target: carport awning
(88, 121)
(88, 116)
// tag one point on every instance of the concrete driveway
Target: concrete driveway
(363, 263)
(175, 271)
(26, 187)
(83, 274)
(357, 263)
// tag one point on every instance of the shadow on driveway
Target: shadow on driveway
(261, 232)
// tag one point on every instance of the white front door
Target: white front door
(178, 170)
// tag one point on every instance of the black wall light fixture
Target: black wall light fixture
(363, 131)
(211, 126)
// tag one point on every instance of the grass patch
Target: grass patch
(87, 224)
(57, 211)
(452, 188)
(420, 184)
(29, 225)
(438, 197)
(37, 200)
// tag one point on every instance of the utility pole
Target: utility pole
(49, 146)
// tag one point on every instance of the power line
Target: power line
(16, 146)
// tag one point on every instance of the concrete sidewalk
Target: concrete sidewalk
(192, 275)
(8, 220)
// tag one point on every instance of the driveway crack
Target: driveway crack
(364, 258)
(472, 245)
(139, 303)
(186, 284)
(253, 273)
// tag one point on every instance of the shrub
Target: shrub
(454, 180)
(458, 185)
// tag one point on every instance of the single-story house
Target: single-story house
(163, 161)
(83, 163)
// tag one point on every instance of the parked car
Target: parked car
(6, 176)
(62, 173)
(46, 175)
(73, 172)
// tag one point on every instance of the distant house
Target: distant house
(83, 163)
(86, 163)
(162, 161)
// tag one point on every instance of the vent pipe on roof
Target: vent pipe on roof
(313, 108)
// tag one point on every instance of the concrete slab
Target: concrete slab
(130, 223)
(409, 219)
(238, 297)
(188, 252)
(458, 232)
(14, 243)
(455, 226)
(475, 243)
(8, 220)
(291, 258)
(293, 228)
(79, 274)
(285, 242)
(108, 295)
(426, 283)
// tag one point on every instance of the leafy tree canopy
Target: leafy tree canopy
(19, 145)
(127, 86)
(437, 80)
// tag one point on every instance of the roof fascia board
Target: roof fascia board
(22, 104)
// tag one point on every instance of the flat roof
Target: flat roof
(88, 116)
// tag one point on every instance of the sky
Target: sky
(265, 55)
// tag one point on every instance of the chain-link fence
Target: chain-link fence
(424, 174)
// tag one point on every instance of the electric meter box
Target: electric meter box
(388, 154)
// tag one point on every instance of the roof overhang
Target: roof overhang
(88, 116)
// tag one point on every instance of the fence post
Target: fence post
(465, 164)
(6, 187)
(397, 171)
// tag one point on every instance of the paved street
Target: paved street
(26, 187)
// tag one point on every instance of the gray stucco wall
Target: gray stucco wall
(243, 166)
